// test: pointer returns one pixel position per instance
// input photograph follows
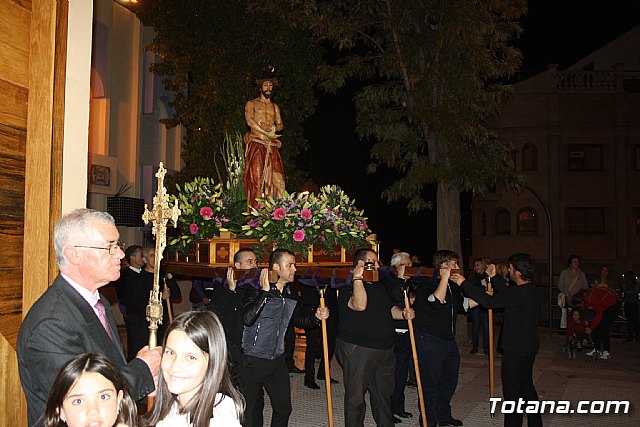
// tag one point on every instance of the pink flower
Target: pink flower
(253, 223)
(305, 213)
(206, 212)
(279, 214)
(193, 228)
(298, 235)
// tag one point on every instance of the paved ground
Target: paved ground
(556, 378)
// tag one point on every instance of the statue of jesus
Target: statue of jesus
(263, 169)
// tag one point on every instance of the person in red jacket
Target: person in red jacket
(606, 307)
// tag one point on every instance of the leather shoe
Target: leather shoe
(295, 370)
(396, 420)
(312, 385)
(404, 414)
(451, 422)
(332, 380)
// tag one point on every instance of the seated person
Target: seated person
(577, 331)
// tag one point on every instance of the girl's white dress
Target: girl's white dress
(224, 414)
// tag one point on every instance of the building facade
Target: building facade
(576, 139)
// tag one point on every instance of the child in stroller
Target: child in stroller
(578, 334)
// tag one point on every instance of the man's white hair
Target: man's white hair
(76, 227)
(397, 258)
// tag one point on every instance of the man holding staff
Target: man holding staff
(520, 342)
(266, 314)
(364, 346)
(436, 307)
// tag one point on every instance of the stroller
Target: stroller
(578, 343)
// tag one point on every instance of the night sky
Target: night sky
(555, 32)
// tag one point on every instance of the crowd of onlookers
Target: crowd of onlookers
(590, 307)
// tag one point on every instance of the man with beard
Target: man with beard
(263, 169)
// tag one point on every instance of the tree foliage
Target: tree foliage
(434, 70)
(210, 53)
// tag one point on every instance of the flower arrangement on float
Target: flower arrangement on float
(202, 212)
(297, 221)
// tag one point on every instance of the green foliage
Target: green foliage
(210, 53)
(234, 197)
(433, 68)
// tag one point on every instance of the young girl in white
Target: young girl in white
(194, 386)
(89, 390)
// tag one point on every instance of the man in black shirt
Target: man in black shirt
(436, 307)
(520, 341)
(364, 346)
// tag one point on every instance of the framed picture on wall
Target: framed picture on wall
(103, 174)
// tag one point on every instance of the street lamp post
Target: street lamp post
(546, 210)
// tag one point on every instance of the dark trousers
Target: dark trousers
(137, 334)
(517, 382)
(402, 351)
(479, 317)
(602, 333)
(631, 313)
(290, 346)
(366, 369)
(439, 361)
(273, 375)
(314, 349)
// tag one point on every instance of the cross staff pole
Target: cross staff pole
(412, 337)
(491, 355)
(325, 350)
(159, 216)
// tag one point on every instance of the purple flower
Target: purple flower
(305, 213)
(279, 214)
(253, 223)
(298, 235)
(193, 228)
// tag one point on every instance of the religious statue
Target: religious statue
(263, 169)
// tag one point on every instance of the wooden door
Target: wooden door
(32, 74)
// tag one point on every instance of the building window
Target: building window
(584, 157)
(529, 158)
(483, 223)
(527, 222)
(503, 222)
(636, 158)
(585, 220)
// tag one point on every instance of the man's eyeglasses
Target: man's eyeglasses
(113, 248)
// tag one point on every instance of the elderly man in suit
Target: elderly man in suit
(72, 317)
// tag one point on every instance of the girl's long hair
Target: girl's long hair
(69, 375)
(205, 330)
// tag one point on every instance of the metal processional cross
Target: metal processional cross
(159, 216)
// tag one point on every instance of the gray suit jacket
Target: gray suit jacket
(60, 325)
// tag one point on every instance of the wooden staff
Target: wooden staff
(491, 371)
(325, 351)
(423, 410)
(166, 288)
